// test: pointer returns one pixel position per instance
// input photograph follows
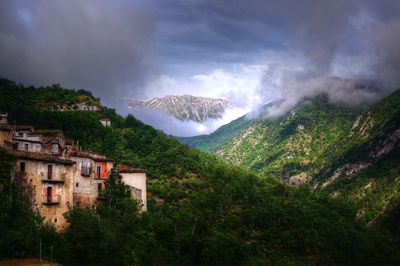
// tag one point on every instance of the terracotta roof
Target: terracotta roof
(49, 132)
(90, 154)
(5, 127)
(23, 127)
(129, 169)
(28, 140)
(38, 156)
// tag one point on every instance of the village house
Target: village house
(5, 131)
(23, 139)
(91, 169)
(105, 122)
(135, 179)
(49, 179)
(57, 174)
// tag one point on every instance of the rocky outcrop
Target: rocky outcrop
(185, 107)
(73, 107)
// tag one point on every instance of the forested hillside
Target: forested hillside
(368, 173)
(201, 210)
(291, 147)
(349, 153)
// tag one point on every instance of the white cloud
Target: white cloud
(239, 83)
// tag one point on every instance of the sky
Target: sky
(250, 52)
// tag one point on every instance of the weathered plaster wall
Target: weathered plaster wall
(5, 136)
(36, 177)
(85, 188)
(137, 180)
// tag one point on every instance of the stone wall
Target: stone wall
(61, 186)
(5, 136)
(85, 188)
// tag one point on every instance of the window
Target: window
(26, 147)
(137, 193)
(49, 171)
(54, 148)
(86, 168)
(55, 220)
(49, 193)
(77, 184)
(99, 187)
(98, 170)
(22, 167)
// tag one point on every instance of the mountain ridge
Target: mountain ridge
(184, 107)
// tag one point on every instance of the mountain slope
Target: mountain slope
(210, 143)
(351, 154)
(294, 146)
(185, 107)
(368, 174)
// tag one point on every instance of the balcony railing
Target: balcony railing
(52, 177)
(53, 200)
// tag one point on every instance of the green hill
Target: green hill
(294, 146)
(201, 211)
(210, 143)
(349, 153)
(368, 174)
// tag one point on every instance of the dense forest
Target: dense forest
(201, 210)
(350, 152)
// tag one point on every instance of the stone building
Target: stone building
(105, 122)
(49, 179)
(25, 140)
(58, 175)
(136, 179)
(91, 169)
(5, 131)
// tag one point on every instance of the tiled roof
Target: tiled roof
(129, 169)
(27, 140)
(5, 127)
(23, 127)
(90, 154)
(49, 132)
(38, 156)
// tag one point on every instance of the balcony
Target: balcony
(52, 177)
(53, 200)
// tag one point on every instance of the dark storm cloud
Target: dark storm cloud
(95, 45)
(113, 48)
(321, 30)
(208, 29)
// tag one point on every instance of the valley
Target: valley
(200, 207)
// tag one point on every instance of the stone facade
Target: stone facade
(5, 135)
(91, 169)
(50, 181)
(5, 131)
(58, 175)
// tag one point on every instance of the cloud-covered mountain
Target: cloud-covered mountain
(184, 107)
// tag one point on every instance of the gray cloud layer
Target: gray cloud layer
(113, 47)
(95, 45)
